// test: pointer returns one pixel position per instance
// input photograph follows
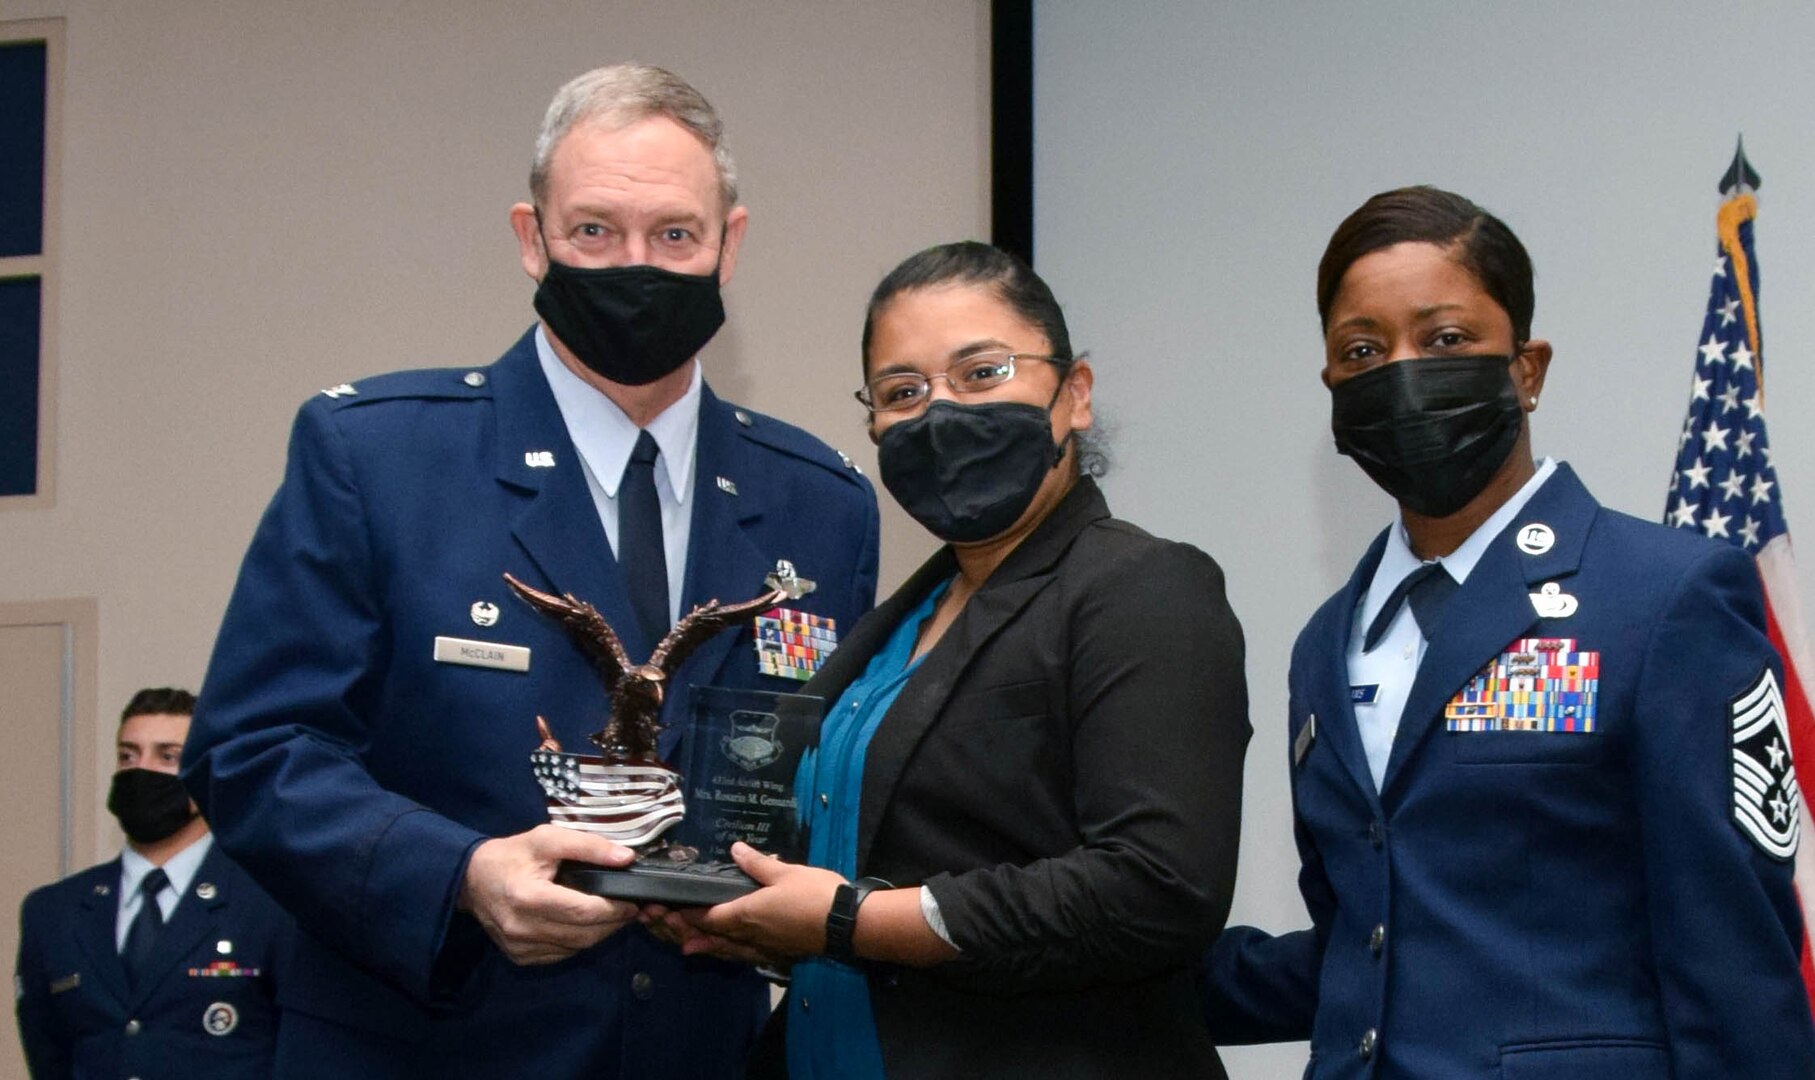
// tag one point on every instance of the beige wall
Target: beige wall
(260, 200)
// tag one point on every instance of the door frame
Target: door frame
(79, 737)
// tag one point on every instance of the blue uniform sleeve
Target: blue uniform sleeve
(47, 1054)
(1725, 929)
(1258, 987)
(274, 752)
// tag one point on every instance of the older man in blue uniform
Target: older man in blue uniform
(364, 733)
(163, 962)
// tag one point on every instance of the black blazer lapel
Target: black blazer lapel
(190, 922)
(556, 522)
(1330, 683)
(1493, 608)
(96, 924)
(1027, 570)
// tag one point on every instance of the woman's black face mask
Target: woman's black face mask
(1431, 431)
(968, 472)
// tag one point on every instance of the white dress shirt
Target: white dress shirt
(179, 868)
(1381, 680)
(604, 437)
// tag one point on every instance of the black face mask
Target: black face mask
(1431, 432)
(630, 324)
(968, 472)
(151, 805)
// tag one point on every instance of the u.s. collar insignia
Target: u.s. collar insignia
(205, 890)
(220, 1018)
(1536, 538)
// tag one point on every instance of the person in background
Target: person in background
(1026, 801)
(364, 735)
(165, 961)
(1526, 736)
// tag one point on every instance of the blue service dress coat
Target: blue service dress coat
(353, 773)
(206, 1010)
(1565, 904)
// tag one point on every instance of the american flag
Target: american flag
(1725, 487)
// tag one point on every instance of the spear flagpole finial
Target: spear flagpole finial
(1741, 177)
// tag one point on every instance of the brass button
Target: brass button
(132, 1027)
(1376, 834)
(642, 985)
(1369, 1040)
(1377, 939)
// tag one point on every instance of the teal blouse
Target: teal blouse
(831, 1030)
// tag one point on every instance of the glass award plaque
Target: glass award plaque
(739, 757)
(735, 781)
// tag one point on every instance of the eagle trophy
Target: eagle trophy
(636, 691)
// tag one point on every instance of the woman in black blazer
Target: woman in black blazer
(1026, 800)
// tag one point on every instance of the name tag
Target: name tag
(1365, 694)
(1306, 736)
(67, 982)
(486, 654)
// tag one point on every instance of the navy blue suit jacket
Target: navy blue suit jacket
(225, 945)
(1527, 904)
(353, 774)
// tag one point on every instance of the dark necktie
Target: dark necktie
(1426, 588)
(142, 935)
(641, 553)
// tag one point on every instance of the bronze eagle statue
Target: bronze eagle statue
(637, 691)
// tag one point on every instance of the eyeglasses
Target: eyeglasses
(971, 375)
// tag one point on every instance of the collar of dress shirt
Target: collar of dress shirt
(604, 436)
(180, 868)
(1398, 560)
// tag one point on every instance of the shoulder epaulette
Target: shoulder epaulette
(794, 442)
(423, 383)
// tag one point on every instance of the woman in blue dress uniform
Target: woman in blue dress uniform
(1025, 802)
(1517, 732)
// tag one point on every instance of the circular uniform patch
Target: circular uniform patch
(220, 1018)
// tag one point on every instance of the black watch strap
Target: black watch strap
(841, 921)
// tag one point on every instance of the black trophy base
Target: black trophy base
(694, 885)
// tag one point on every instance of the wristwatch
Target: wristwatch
(841, 921)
